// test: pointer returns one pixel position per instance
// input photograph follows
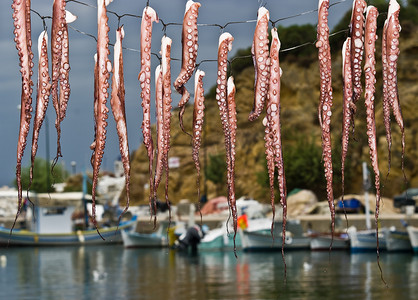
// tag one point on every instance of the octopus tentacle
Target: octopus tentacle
(370, 75)
(57, 38)
(104, 67)
(167, 100)
(42, 98)
(160, 128)
(348, 107)
(357, 45)
(260, 53)
(95, 107)
(225, 45)
(64, 93)
(21, 22)
(232, 125)
(385, 102)
(117, 102)
(148, 16)
(189, 39)
(273, 133)
(198, 115)
(324, 55)
(392, 54)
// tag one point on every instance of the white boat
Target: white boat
(322, 241)
(365, 240)
(413, 237)
(159, 238)
(397, 240)
(258, 236)
(52, 226)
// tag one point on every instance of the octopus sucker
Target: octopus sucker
(369, 96)
(225, 45)
(189, 43)
(198, 119)
(390, 54)
(148, 17)
(21, 22)
(325, 101)
(273, 140)
(348, 108)
(117, 102)
(42, 97)
(104, 67)
(357, 45)
(57, 40)
(260, 54)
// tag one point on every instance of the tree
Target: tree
(215, 171)
(43, 177)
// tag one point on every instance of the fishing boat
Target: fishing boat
(52, 226)
(413, 237)
(159, 238)
(322, 241)
(397, 240)
(220, 239)
(257, 236)
(365, 240)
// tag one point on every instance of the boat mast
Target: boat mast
(366, 187)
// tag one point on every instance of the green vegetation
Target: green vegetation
(216, 170)
(43, 178)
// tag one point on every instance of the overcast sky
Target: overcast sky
(78, 127)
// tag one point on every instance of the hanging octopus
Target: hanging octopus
(22, 32)
(148, 16)
(225, 45)
(163, 114)
(260, 54)
(325, 100)
(189, 39)
(348, 106)
(198, 115)
(117, 102)
(42, 98)
(104, 67)
(232, 125)
(57, 41)
(272, 137)
(167, 100)
(390, 54)
(370, 75)
(357, 46)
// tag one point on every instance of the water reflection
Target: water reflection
(112, 272)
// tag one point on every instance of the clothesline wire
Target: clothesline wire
(165, 25)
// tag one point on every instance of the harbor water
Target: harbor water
(112, 272)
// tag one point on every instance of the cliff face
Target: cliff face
(299, 100)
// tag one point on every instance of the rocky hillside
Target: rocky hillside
(301, 132)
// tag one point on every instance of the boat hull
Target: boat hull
(397, 241)
(220, 240)
(413, 237)
(143, 240)
(259, 238)
(323, 242)
(111, 235)
(365, 241)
